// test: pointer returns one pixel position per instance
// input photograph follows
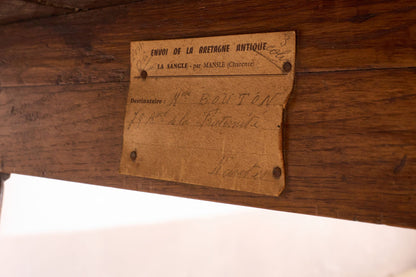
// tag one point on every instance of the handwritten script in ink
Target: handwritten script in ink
(208, 111)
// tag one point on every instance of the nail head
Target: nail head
(277, 172)
(133, 155)
(143, 74)
(287, 66)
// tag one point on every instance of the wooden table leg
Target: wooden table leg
(3, 178)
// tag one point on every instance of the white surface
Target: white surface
(67, 229)
(38, 205)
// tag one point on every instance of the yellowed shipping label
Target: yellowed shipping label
(208, 111)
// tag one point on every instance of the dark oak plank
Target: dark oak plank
(350, 143)
(19, 10)
(82, 4)
(25, 10)
(93, 46)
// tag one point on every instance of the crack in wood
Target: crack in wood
(400, 166)
(54, 5)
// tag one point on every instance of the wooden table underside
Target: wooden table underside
(350, 127)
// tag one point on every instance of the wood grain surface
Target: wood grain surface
(12, 11)
(93, 46)
(350, 132)
(20, 10)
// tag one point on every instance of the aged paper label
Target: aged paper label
(208, 111)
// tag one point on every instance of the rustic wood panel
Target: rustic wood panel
(81, 4)
(93, 46)
(350, 141)
(350, 135)
(20, 10)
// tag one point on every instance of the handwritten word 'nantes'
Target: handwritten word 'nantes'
(228, 167)
(207, 49)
